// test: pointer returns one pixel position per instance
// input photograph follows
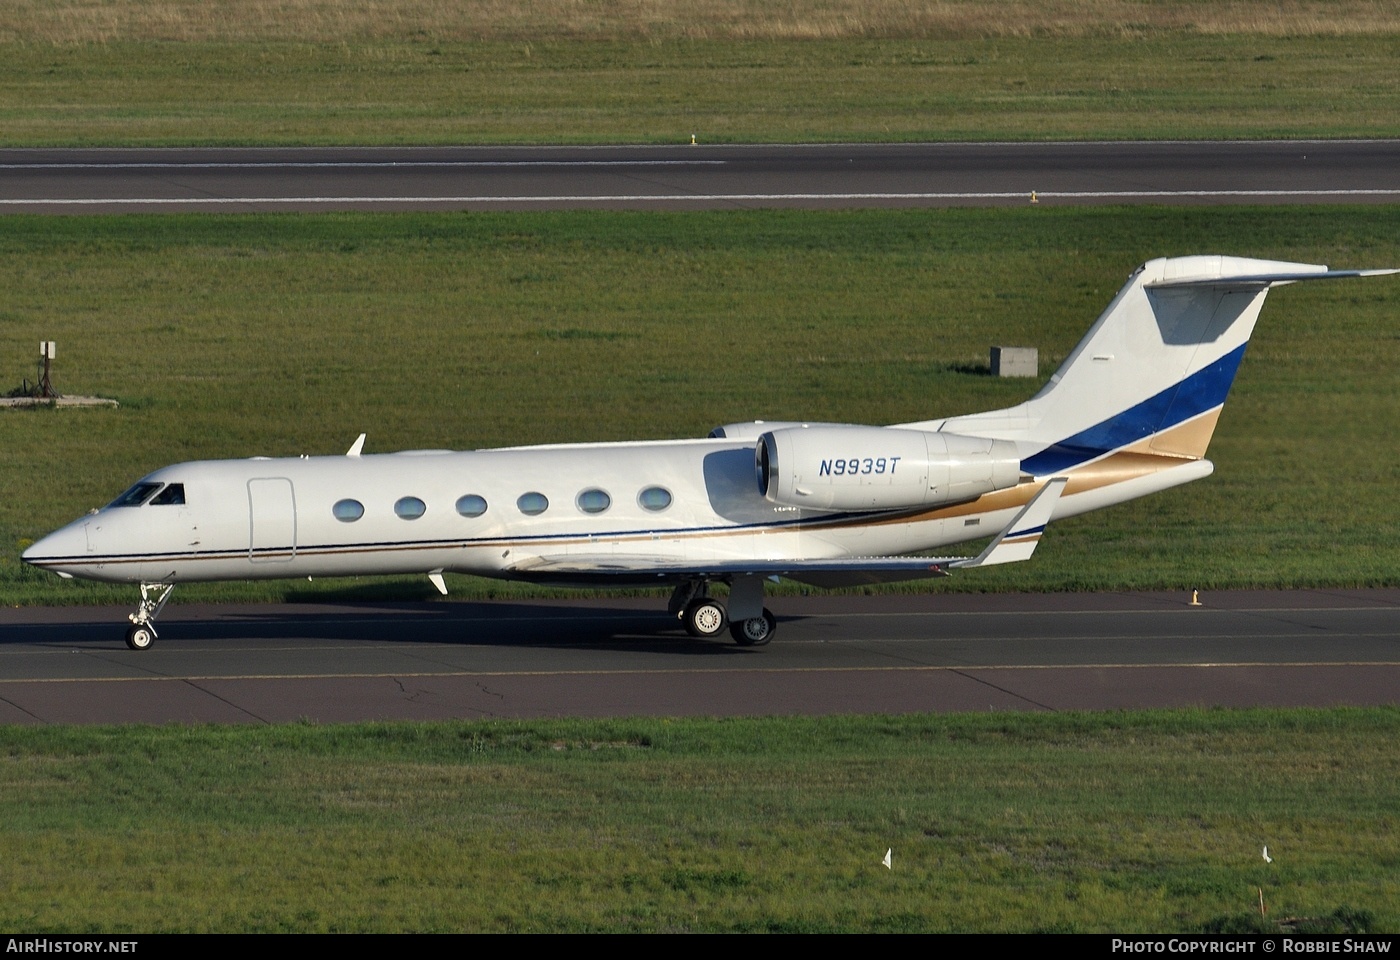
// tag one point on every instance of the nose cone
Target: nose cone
(60, 551)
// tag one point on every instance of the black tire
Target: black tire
(755, 631)
(704, 617)
(140, 637)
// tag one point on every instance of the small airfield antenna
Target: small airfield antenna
(43, 393)
(47, 351)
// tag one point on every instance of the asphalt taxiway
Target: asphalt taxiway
(687, 177)
(332, 662)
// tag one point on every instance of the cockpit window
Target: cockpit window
(173, 494)
(136, 496)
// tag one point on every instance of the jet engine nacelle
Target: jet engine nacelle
(879, 468)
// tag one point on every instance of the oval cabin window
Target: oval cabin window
(471, 505)
(532, 504)
(594, 501)
(410, 508)
(348, 511)
(654, 498)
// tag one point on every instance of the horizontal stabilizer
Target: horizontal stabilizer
(1267, 279)
(1018, 541)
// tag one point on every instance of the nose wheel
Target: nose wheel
(143, 628)
(140, 637)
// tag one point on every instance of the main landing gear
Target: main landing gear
(143, 628)
(703, 616)
(755, 631)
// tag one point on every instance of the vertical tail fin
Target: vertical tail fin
(1151, 375)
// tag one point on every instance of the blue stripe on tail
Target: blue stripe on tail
(1203, 390)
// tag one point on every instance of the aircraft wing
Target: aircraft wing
(1017, 541)
(642, 570)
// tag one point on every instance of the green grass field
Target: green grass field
(149, 72)
(1150, 822)
(131, 94)
(228, 336)
(232, 336)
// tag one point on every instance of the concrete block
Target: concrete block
(1015, 362)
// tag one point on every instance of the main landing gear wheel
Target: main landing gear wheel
(704, 617)
(755, 631)
(140, 637)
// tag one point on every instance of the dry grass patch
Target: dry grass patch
(331, 21)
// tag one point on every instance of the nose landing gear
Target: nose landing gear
(143, 629)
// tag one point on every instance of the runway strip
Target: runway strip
(345, 164)
(712, 199)
(892, 654)
(705, 177)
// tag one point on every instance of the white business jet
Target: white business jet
(1129, 413)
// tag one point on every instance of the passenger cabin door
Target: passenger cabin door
(272, 520)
